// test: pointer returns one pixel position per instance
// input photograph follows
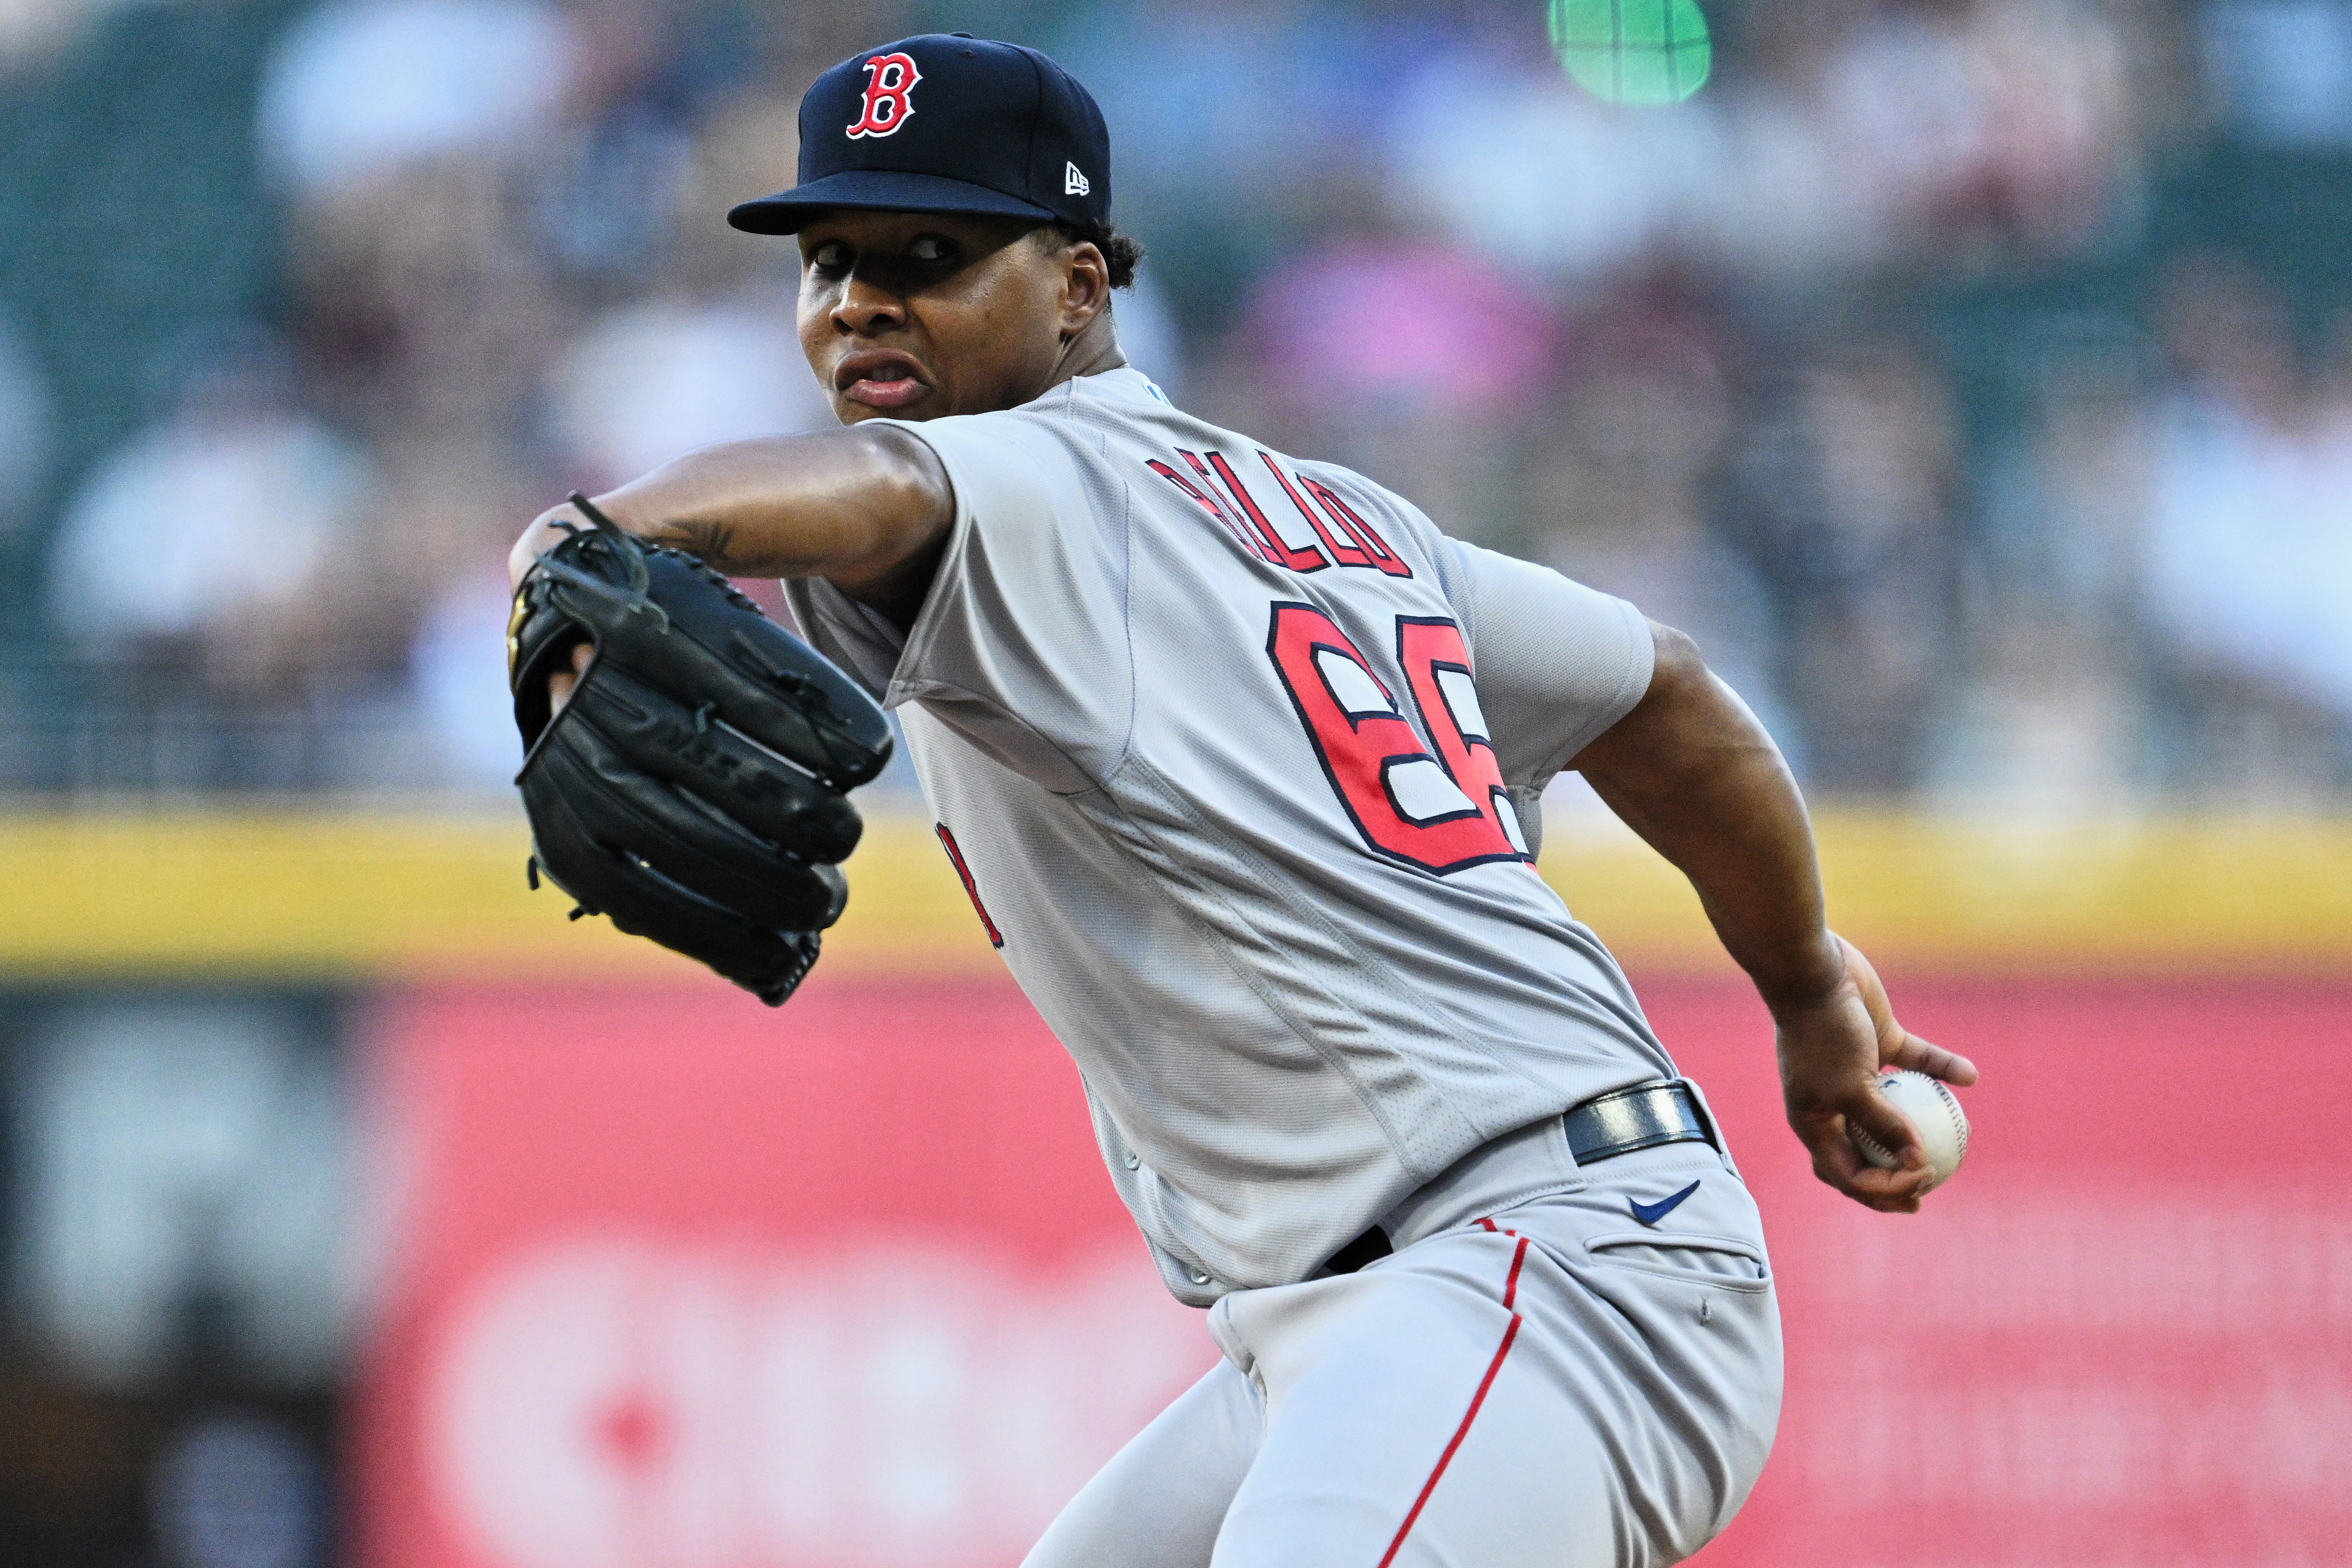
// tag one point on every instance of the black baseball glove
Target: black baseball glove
(692, 788)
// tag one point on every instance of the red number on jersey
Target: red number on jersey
(1437, 662)
(1439, 814)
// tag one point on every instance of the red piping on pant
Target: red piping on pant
(1510, 1295)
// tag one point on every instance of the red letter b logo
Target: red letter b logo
(888, 79)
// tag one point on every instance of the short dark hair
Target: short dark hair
(1123, 251)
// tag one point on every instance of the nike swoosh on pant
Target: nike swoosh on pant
(1651, 1214)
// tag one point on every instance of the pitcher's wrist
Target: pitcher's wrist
(1803, 978)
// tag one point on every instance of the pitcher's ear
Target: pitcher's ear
(1086, 287)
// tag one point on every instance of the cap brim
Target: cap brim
(877, 190)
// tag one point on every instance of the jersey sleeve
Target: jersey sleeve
(1556, 662)
(1021, 642)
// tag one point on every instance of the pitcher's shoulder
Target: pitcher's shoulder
(1357, 487)
(1379, 502)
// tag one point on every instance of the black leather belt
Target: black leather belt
(1647, 1116)
(1643, 1117)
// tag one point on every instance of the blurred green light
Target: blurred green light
(1641, 52)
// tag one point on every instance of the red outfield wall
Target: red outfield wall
(675, 1281)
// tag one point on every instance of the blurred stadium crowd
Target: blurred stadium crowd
(1972, 377)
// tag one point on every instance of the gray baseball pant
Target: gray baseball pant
(1553, 1383)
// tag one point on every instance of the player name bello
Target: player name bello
(1262, 539)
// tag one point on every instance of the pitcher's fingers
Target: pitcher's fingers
(1829, 1135)
(1888, 1192)
(1934, 1060)
(1835, 1159)
(559, 685)
(1839, 1165)
(546, 530)
(1891, 1130)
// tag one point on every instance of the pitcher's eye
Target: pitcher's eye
(830, 257)
(932, 248)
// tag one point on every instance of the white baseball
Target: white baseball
(1934, 1109)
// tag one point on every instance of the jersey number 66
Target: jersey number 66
(1440, 812)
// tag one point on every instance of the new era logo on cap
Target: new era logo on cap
(944, 123)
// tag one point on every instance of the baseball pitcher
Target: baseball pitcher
(1239, 756)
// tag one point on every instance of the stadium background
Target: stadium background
(1974, 377)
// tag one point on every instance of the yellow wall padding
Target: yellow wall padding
(330, 893)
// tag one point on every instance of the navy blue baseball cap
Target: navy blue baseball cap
(945, 122)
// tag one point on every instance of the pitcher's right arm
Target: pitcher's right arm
(867, 508)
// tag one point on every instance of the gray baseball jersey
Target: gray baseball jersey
(1239, 756)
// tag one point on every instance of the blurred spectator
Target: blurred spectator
(1615, 482)
(194, 550)
(404, 130)
(428, 307)
(2283, 69)
(32, 30)
(1406, 360)
(1892, 132)
(435, 615)
(1843, 493)
(454, 670)
(2054, 718)
(656, 379)
(2250, 558)
(1242, 130)
(747, 145)
(607, 188)
(360, 87)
